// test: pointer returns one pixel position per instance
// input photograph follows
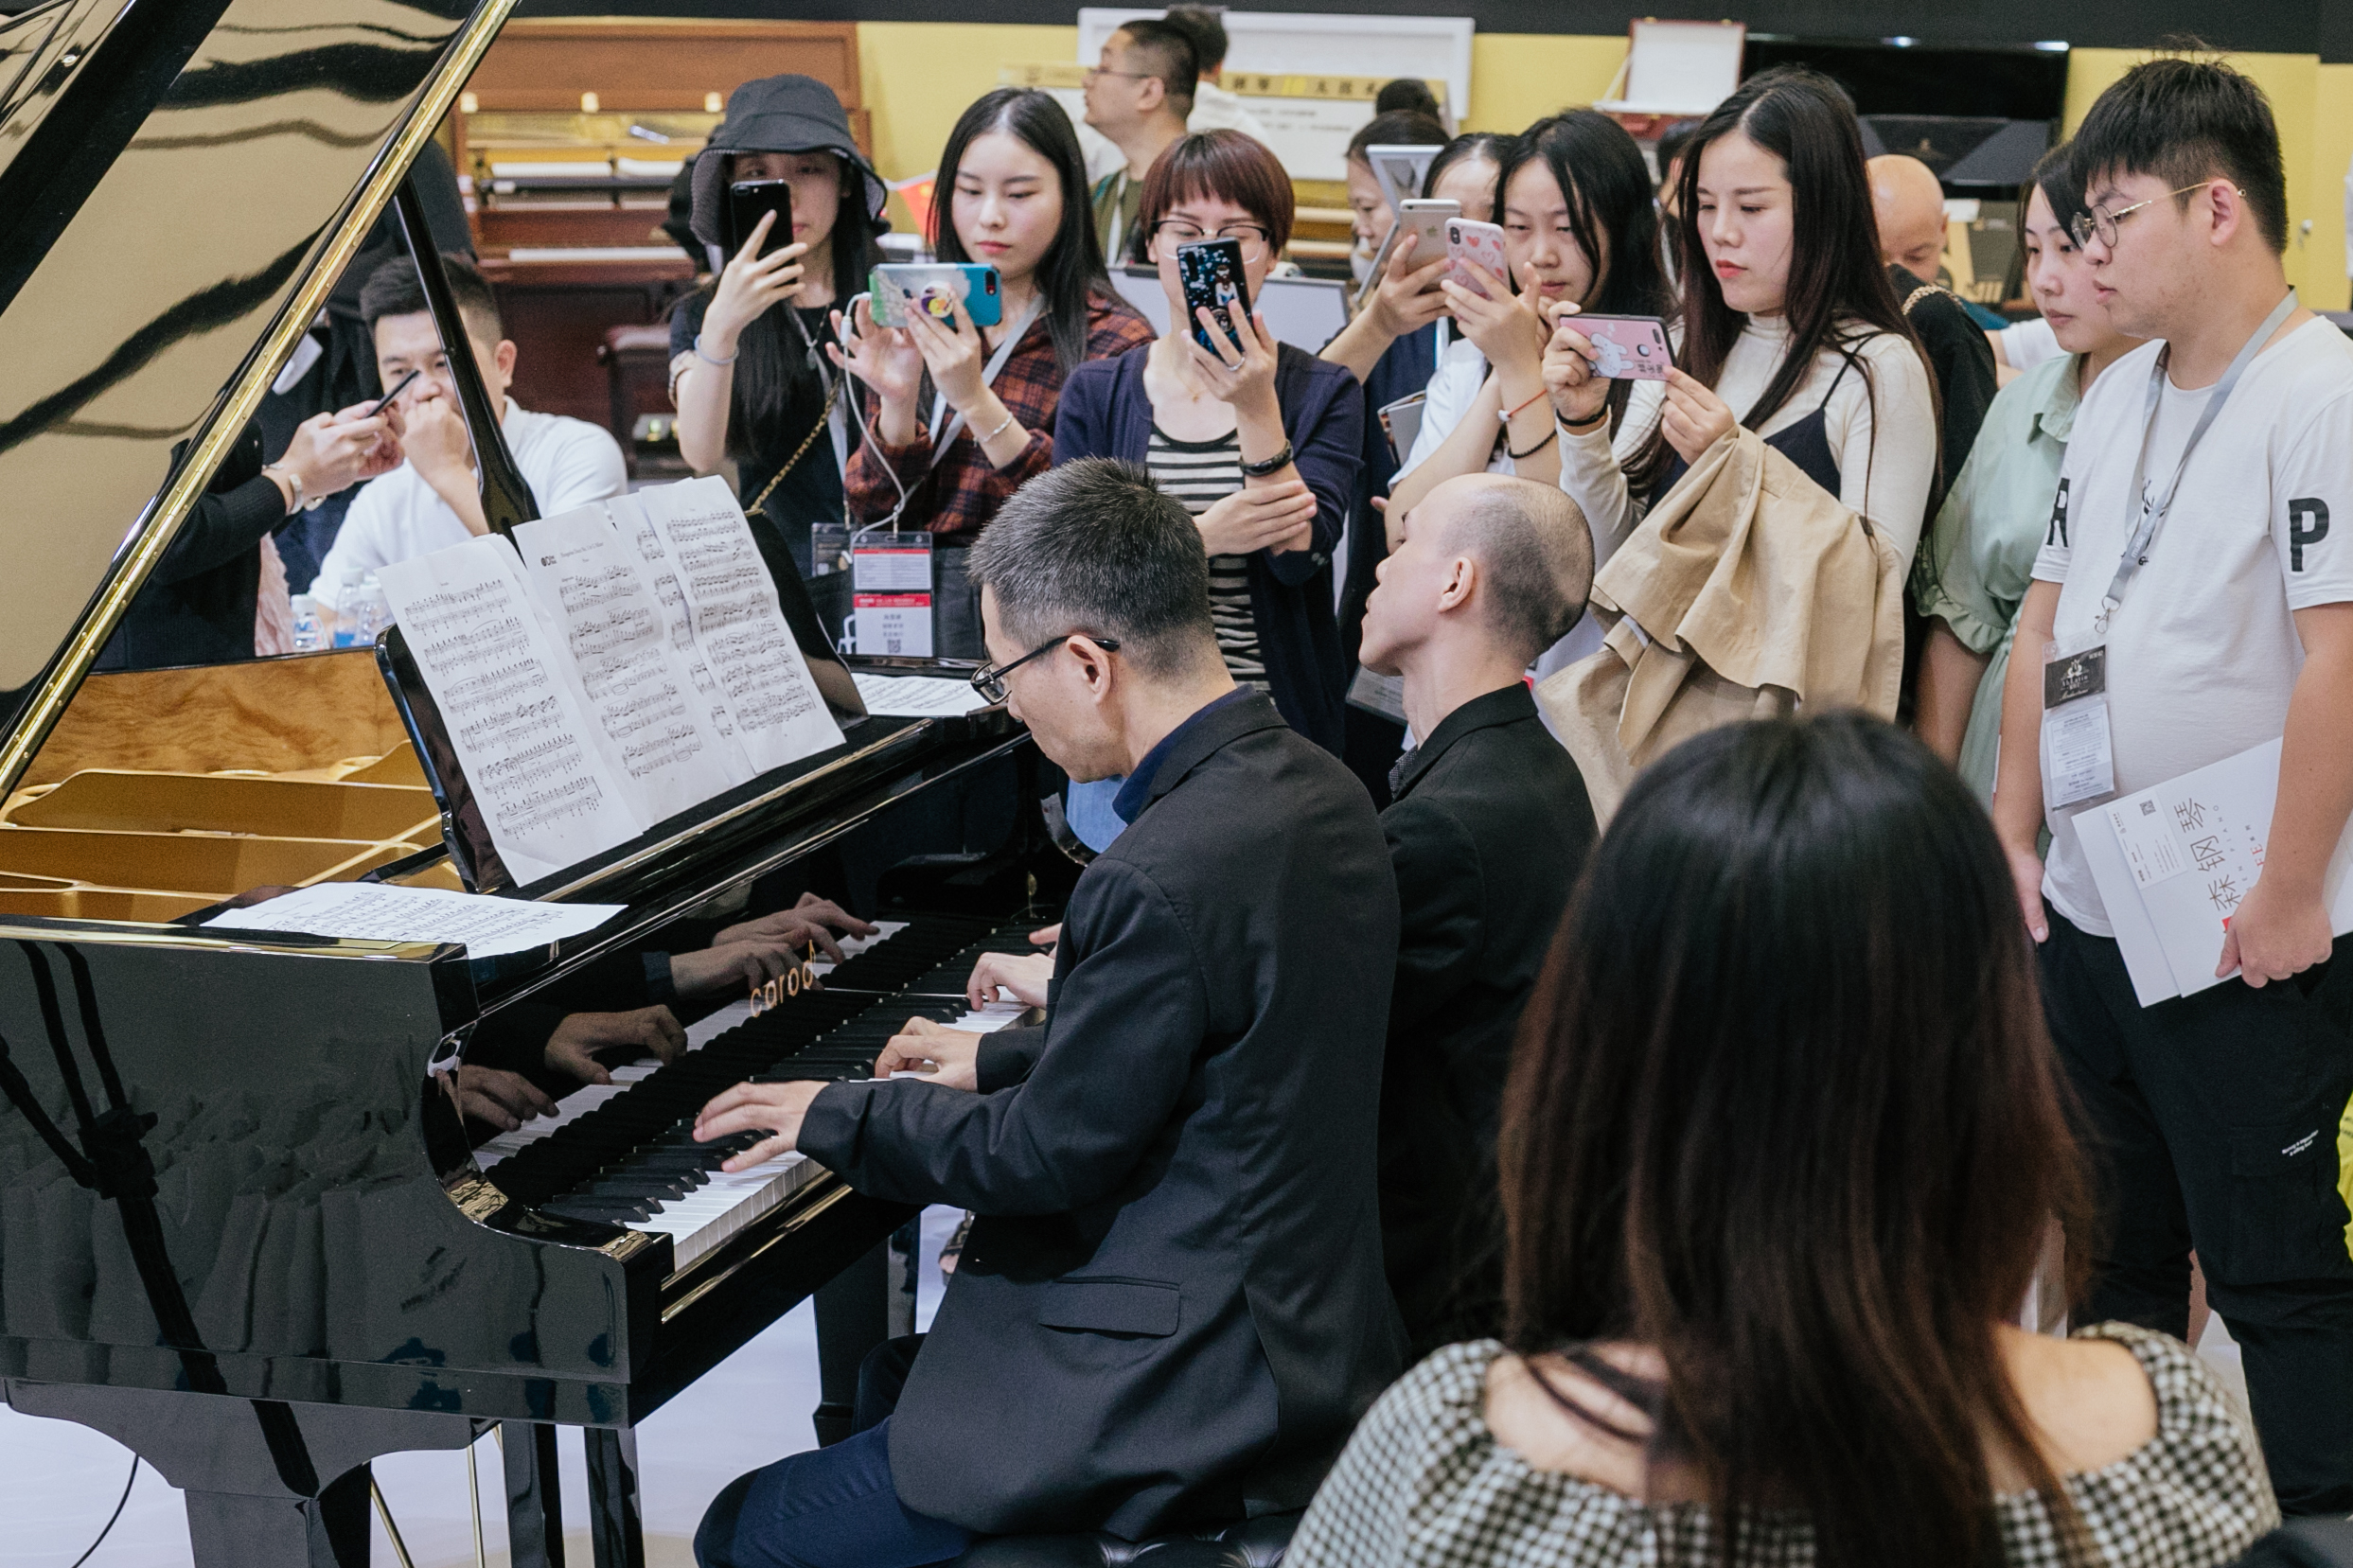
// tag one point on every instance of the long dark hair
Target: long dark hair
(1071, 272)
(780, 384)
(1612, 214)
(1783, 1107)
(1493, 145)
(1838, 292)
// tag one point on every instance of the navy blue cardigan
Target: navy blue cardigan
(1104, 412)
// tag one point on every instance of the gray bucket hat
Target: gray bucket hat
(789, 114)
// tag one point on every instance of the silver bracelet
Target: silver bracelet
(708, 358)
(999, 430)
(293, 483)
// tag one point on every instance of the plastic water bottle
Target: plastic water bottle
(374, 610)
(309, 627)
(348, 612)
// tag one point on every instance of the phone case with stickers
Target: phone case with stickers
(1469, 241)
(1626, 348)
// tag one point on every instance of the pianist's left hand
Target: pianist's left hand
(949, 1057)
(648, 1031)
(769, 1107)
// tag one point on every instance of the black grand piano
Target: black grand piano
(243, 1229)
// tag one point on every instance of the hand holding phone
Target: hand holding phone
(1469, 241)
(1627, 348)
(1210, 271)
(936, 287)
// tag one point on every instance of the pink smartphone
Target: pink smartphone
(1626, 348)
(1468, 239)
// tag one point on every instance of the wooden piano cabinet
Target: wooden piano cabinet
(559, 313)
(161, 791)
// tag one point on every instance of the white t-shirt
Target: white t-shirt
(566, 462)
(1883, 436)
(2203, 652)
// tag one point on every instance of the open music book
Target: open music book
(632, 664)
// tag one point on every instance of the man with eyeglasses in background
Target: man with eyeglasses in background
(1138, 94)
(1170, 1310)
(2199, 539)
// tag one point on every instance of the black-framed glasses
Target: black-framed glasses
(989, 680)
(1094, 71)
(1252, 238)
(2100, 222)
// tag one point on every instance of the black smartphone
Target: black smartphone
(747, 201)
(1211, 274)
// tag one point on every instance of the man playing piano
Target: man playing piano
(1488, 830)
(1171, 1308)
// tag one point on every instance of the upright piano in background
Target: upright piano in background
(241, 1228)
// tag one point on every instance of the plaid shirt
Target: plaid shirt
(956, 498)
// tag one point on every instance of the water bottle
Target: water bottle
(347, 610)
(373, 609)
(309, 627)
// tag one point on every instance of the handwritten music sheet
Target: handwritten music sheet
(659, 738)
(507, 697)
(780, 717)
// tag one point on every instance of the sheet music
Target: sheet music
(506, 694)
(659, 738)
(382, 912)
(738, 624)
(653, 558)
(917, 695)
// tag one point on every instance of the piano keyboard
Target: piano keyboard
(624, 1153)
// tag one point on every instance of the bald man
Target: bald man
(1489, 829)
(1909, 204)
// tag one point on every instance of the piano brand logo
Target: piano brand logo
(791, 983)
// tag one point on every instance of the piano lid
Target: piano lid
(181, 182)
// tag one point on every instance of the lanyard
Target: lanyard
(988, 377)
(2153, 511)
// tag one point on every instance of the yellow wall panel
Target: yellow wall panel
(1517, 79)
(2325, 283)
(917, 76)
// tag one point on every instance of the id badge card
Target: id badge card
(2078, 758)
(891, 592)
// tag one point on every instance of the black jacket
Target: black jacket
(1488, 831)
(197, 606)
(1962, 360)
(1171, 1308)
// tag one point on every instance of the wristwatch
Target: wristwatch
(293, 483)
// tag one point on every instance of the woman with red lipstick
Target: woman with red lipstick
(963, 414)
(746, 376)
(1580, 234)
(1789, 324)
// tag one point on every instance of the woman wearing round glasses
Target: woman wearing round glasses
(1261, 441)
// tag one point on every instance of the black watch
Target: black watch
(1280, 461)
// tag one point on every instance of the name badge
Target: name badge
(2078, 757)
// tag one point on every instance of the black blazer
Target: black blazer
(197, 606)
(1171, 1308)
(1490, 830)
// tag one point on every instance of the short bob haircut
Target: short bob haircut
(1223, 165)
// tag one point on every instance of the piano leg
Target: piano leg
(853, 1317)
(535, 1502)
(233, 1528)
(616, 1526)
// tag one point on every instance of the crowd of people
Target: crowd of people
(1502, 1170)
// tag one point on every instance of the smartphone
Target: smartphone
(936, 286)
(1627, 348)
(1467, 240)
(1425, 219)
(1211, 273)
(747, 201)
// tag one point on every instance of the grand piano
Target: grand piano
(243, 1227)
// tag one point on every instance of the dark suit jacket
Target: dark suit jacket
(1488, 831)
(1170, 1308)
(1105, 413)
(1962, 360)
(197, 606)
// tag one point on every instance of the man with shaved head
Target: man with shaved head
(1909, 204)
(1489, 830)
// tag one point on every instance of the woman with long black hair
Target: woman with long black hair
(746, 374)
(1579, 232)
(1783, 1136)
(963, 414)
(1789, 325)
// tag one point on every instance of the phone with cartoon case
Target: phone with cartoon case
(1211, 273)
(1626, 348)
(935, 284)
(1468, 240)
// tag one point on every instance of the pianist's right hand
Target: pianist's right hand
(648, 1031)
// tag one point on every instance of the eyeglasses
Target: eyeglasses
(989, 680)
(1253, 239)
(2100, 222)
(1094, 71)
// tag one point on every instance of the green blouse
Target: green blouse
(1973, 569)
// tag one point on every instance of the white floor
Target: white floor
(59, 1481)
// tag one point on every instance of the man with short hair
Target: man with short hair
(1170, 1310)
(1909, 204)
(1137, 95)
(1489, 831)
(434, 500)
(2197, 538)
(1214, 107)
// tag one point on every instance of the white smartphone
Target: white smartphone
(1425, 219)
